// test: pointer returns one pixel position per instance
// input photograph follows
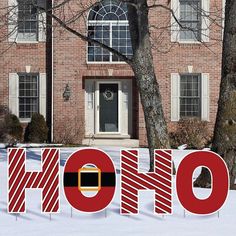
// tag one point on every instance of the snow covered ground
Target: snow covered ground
(110, 223)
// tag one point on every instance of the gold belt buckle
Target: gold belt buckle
(89, 171)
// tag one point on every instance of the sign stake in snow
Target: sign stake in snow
(105, 213)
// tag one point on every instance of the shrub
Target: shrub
(193, 132)
(37, 130)
(13, 126)
(71, 133)
(2, 125)
(11, 130)
(3, 111)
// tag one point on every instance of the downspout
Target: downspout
(52, 100)
(49, 71)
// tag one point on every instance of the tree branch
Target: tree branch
(90, 40)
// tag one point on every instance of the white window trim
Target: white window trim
(110, 23)
(205, 96)
(175, 94)
(14, 95)
(199, 75)
(175, 31)
(105, 63)
(223, 17)
(26, 42)
(175, 97)
(27, 120)
(12, 27)
(24, 120)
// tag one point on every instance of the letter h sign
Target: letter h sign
(160, 181)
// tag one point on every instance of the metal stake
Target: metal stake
(105, 213)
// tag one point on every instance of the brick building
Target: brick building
(87, 94)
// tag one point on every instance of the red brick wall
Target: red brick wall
(205, 58)
(15, 56)
(70, 67)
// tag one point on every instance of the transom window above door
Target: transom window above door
(108, 24)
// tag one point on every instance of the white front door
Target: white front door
(108, 96)
(108, 107)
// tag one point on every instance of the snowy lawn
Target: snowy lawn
(109, 223)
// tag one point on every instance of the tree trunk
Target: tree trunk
(144, 72)
(224, 140)
(142, 66)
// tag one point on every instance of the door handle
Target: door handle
(98, 107)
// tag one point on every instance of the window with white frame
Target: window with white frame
(194, 17)
(190, 19)
(108, 24)
(27, 20)
(190, 95)
(28, 95)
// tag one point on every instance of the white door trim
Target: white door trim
(97, 109)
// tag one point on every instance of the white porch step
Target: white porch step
(111, 142)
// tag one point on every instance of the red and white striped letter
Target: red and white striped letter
(19, 180)
(160, 181)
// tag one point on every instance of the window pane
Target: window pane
(113, 31)
(190, 31)
(190, 19)
(121, 41)
(110, 16)
(27, 20)
(28, 95)
(190, 96)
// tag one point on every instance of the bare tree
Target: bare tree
(141, 62)
(224, 140)
(143, 68)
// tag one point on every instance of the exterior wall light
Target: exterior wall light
(67, 93)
